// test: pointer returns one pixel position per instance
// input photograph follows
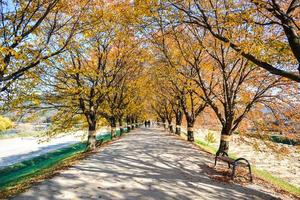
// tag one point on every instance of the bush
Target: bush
(5, 123)
(210, 138)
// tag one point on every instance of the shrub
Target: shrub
(210, 138)
(5, 123)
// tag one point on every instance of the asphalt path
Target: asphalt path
(144, 164)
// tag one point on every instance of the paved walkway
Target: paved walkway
(145, 164)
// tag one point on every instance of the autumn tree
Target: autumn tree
(93, 79)
(138, 96)
(32, 32)
(270, 30)
(128, 56)
(80, 81)
(79, 90)
(177, 52)
(233, 86)
(163, 111)
(167, 103)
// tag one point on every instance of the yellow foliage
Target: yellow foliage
(5, 123)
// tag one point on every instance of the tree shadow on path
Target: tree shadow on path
(146, 164)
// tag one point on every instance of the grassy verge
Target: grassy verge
(206, 146)
(23, 184)
(13, 174)
(261, 174)
(278, 182)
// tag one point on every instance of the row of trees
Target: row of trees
(218, 55)
(100, 78)
(91, 60)
(84, 61)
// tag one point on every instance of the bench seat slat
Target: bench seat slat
(226, 159)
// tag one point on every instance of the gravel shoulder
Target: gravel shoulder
(145, 164)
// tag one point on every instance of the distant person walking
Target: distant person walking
(147, 123)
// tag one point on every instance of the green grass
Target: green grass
(20, 185)
(206, 146)
(13, 174)
(266, 176)
(262, 174)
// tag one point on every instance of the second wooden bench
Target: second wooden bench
(223, 156)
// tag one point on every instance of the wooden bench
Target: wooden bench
(234, 163)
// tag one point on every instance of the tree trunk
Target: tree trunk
(190, 131)
(132, 123)
(121, 126)
(171, 128)
(91, 142)
(178, 122)
(113, 127)
(225, 139)
(128, 124)
(128, 128)
(170, 125)
(178, 129)
(164, 123)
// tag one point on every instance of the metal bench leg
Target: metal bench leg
(215, 161)
(233, 172)
(250, 173)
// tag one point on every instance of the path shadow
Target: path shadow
(146, 164)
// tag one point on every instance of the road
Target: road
(15, 150)
(145, 164)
